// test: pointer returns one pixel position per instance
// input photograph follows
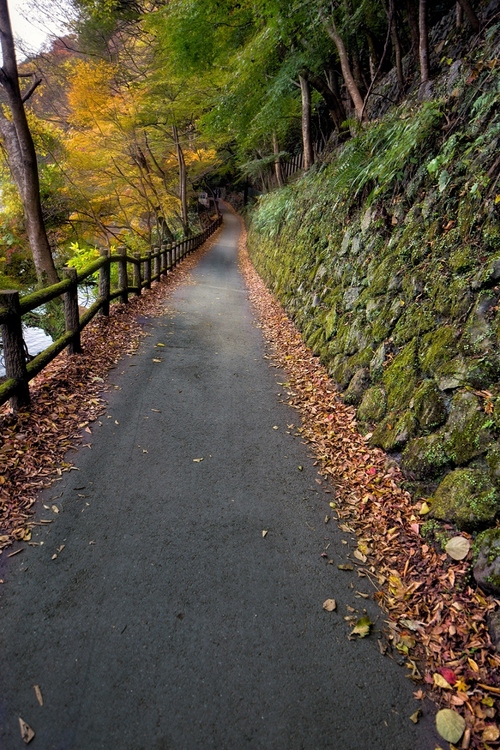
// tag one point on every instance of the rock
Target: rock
(377, 363)
(424, 458)
(429, 406)
(478, 335)
(493, 461)
(400, 378)
(366, 220)
(357, 386)
(350, 296)
(436, 349)
(466, 498)
(487, 276)
(452, 374)
(373, 406)
(493, 622)
(465, 433)
(487, 566)
(394, 431)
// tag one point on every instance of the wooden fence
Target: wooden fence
(144, 270)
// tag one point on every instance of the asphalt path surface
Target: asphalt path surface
(168, 621)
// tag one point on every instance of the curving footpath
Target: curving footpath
(168, 621)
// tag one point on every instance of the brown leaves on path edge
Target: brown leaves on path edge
(66, 398)
(436, 615)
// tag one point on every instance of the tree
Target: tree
(21, 155)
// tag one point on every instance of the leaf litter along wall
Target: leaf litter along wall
(387, 257)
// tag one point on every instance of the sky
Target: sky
(32, 28)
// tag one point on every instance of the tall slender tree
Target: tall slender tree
(21, 155)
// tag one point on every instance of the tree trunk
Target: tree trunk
(423, 45)
(350, 83)
(412, 11)
(331, 99)
(460, 15)
(21, 155)
(396, 45)
(305, 91)
(277, 162)
(182, 181)
(470, 14)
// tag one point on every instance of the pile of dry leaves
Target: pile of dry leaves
(436, 613)
(66, 398)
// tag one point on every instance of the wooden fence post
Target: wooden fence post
(169, 257)
(156, 263)
(122, 274)
(137, 274)
(105, 282)
(163, 258)
(13, 349)
(71, 315)
(147, 270)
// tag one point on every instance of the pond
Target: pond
(36, 341)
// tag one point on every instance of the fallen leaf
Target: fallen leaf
(265, 532)
(116, 421)
(458, 547)
(416, 716)
(160, 344)
(54, 509)
(424, 509)
(450, 725)
(359, 555)
(448, 674)
(275, 427)
(491, 733)
(329, 605)
(27, 733)
(38, 694)
(345, 566)
(473, 665)
(362, 627)
(157, 360)
(440, 681)
(197, 460)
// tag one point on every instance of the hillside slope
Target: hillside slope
(387, 257)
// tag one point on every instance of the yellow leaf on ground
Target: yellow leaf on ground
(329, 605)
(439, 681)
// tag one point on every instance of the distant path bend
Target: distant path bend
(168, 621)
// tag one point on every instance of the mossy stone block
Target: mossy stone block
(394, 431)
(487, 566)
(467, 498)
(466, 433)
(357, 386)
(400, 378)
(429, 406)
(373, 406)
(436, 348)
(493, 461)
(424, 457)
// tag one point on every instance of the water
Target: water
(36, 340)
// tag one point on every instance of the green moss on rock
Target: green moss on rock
(436, 348)
(429, 406)
(373, 406)
(394, 431)
(424, 457)
(466, 433)
(487, 565)
(400, 378)
(466, 498)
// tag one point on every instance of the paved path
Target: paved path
(168, 622)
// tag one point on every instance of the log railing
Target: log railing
(145, 269)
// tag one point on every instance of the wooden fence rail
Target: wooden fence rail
(145, 269)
